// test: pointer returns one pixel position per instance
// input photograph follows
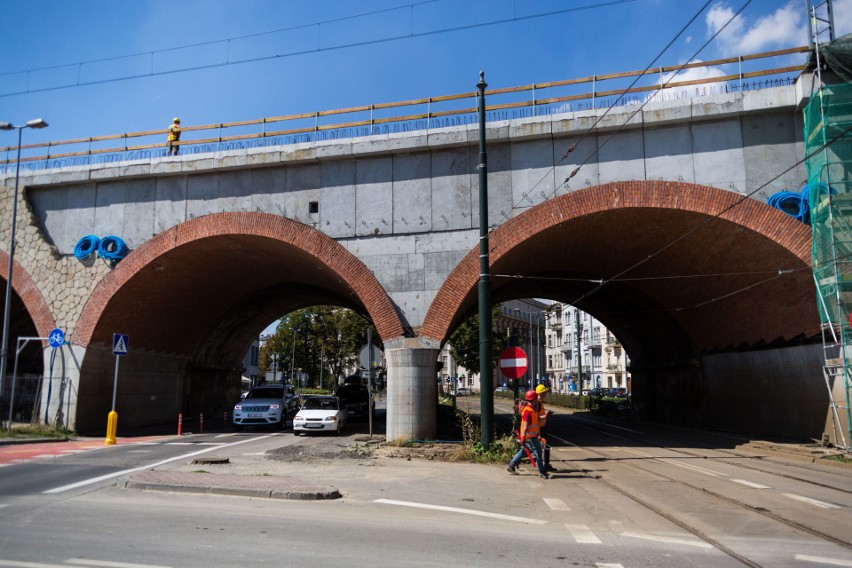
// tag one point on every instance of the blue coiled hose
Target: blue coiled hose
(86, 246)
(112, 248)
(793, 204)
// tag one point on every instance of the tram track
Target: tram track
(687, 526)
(734, 460)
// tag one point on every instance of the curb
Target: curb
(239, 486)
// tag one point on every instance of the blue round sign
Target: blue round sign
(56, 338)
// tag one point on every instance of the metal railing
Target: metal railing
(422, 114)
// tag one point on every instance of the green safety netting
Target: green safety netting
(828, 143)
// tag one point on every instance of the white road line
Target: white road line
(691, 467)
(138, 451)
(668, 539)
(4, 464)
(44, 456)
(824, 560)
(144, 467)
(3, 505)
(463, 511)
(606, 565)
(18, 564)
(87, 562)
(750, 484)
(582, 534)
(637, 452)
(147, 443)
(810, 501)
(556, 504)
(180, 444)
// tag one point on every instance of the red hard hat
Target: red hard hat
(531, 395)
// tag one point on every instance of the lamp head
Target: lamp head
(6, 126)
(37, 123)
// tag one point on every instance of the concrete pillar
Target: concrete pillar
(412, 389)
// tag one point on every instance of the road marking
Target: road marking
(87, 562)
(147, 443)
(181, 444)
(463, 511)
(44, 456)
(637, 452)
(3, 505)
(606, 565)
(750, 484)
(690, 466)
(138, 451)
(668, 539)
(582, 534)
(556, 504)
(810, 501)
(18, 564)
(824, 560)
(144, 467)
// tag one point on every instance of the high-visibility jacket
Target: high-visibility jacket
(533, 428)
(174, 132)
(542, 416)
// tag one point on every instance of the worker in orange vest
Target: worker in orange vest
(529, 436)
(541, 392)
(174, 136)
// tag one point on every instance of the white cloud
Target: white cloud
(698, 73)
(842, 17)
(785, 27)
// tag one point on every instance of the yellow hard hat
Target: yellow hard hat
(540, 389)
(176, 119)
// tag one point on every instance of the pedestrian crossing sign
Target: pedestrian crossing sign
(119, 343)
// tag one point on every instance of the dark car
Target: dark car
(357, 399)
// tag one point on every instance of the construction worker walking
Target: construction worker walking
(174, 137)
(529, 436)
(541, 392)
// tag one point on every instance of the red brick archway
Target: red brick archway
(596, 233)
(26, 289)
(348, 275)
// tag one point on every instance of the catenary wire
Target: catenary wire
(589, 130)
(713, 217)
(318, 49)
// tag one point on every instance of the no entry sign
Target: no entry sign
(513, 362)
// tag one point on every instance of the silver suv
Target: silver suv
(270, 405)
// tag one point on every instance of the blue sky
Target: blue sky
(48, 44)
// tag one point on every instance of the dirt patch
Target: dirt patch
(329, 452)
(428, 451)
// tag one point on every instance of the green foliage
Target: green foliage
(464, 342)
(321, 341)
(35, 431)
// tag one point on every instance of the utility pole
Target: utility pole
(579, 350)
(486, 382)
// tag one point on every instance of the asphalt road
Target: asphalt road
(626, 495)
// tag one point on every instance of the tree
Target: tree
(327, 342)
(464, 342)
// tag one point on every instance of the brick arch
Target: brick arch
(341, 263)
(702, 201)
(26, 289)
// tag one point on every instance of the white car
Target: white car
(320, 414)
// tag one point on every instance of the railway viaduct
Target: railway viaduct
(662, 232)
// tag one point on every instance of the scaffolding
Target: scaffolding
(828, 146)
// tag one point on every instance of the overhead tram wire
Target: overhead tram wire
(318, 49)
(589, 130)
(713, 217)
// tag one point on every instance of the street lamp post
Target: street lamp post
(35, 123)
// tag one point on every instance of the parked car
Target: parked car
(504, 388)
(356, 399)
(319, 414)
(462, 391)
(598, 392)
(270, 405)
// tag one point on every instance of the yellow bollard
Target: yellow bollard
(112, 427)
